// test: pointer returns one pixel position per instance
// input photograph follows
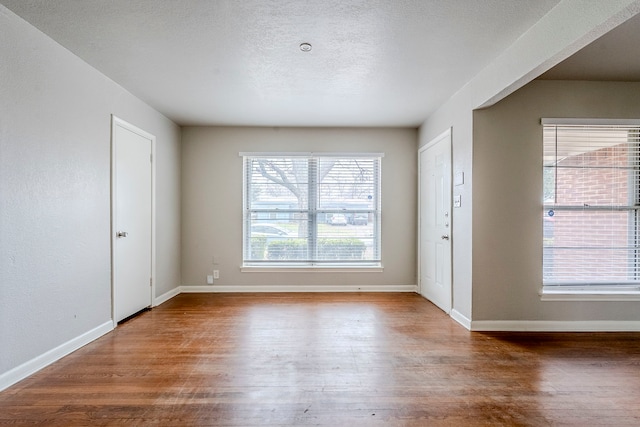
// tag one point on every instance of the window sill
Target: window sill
(309, 268)
(591, 294)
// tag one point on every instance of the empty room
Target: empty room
(305, 212)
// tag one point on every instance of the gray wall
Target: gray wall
(212, 201)
(555, 37)
(507, 198)
(55, 269)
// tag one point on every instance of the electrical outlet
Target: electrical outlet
(216, 274)
(209, 280)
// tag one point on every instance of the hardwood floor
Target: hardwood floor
(329, 360)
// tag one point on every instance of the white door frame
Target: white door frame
(116, 121)
(446, 134)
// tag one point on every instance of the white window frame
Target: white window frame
(586, 291)
(313, 211)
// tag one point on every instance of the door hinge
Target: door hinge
(151, 158)
(150, 281)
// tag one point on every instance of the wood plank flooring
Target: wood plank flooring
(329, 360)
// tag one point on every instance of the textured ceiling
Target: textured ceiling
(238, 62)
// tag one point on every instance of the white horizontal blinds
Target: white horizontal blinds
(306, 209)
(591, 204)
(347, 206)
(276, 208)
(279, 179)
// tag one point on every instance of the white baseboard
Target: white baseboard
(461, 318)
(166, 296)
(297, 288)
(555, 326)
(21, 372)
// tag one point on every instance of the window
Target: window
(591, 237)
(304, 209)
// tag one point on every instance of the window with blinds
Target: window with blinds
(311, 209)
(591, 201)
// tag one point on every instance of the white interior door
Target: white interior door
(132, 215)
(435, 221)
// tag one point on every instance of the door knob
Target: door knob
(445, 237)
(122, 234)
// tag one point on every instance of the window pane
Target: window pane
(346, 184)
(578, 229)
(591, 198)
(590, 246)
(602, 186)
(312, 210)
(346, 237)
(278, 183)
(277, 239)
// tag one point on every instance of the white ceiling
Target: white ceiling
(238, 62)
(613, 57)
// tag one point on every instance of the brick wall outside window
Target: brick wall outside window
(591, 244)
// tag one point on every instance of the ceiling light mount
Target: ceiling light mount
(305, 47)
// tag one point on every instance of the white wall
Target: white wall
(212, 201)
(55, 115)
(507, 208)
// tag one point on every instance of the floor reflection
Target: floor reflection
(331, 360)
